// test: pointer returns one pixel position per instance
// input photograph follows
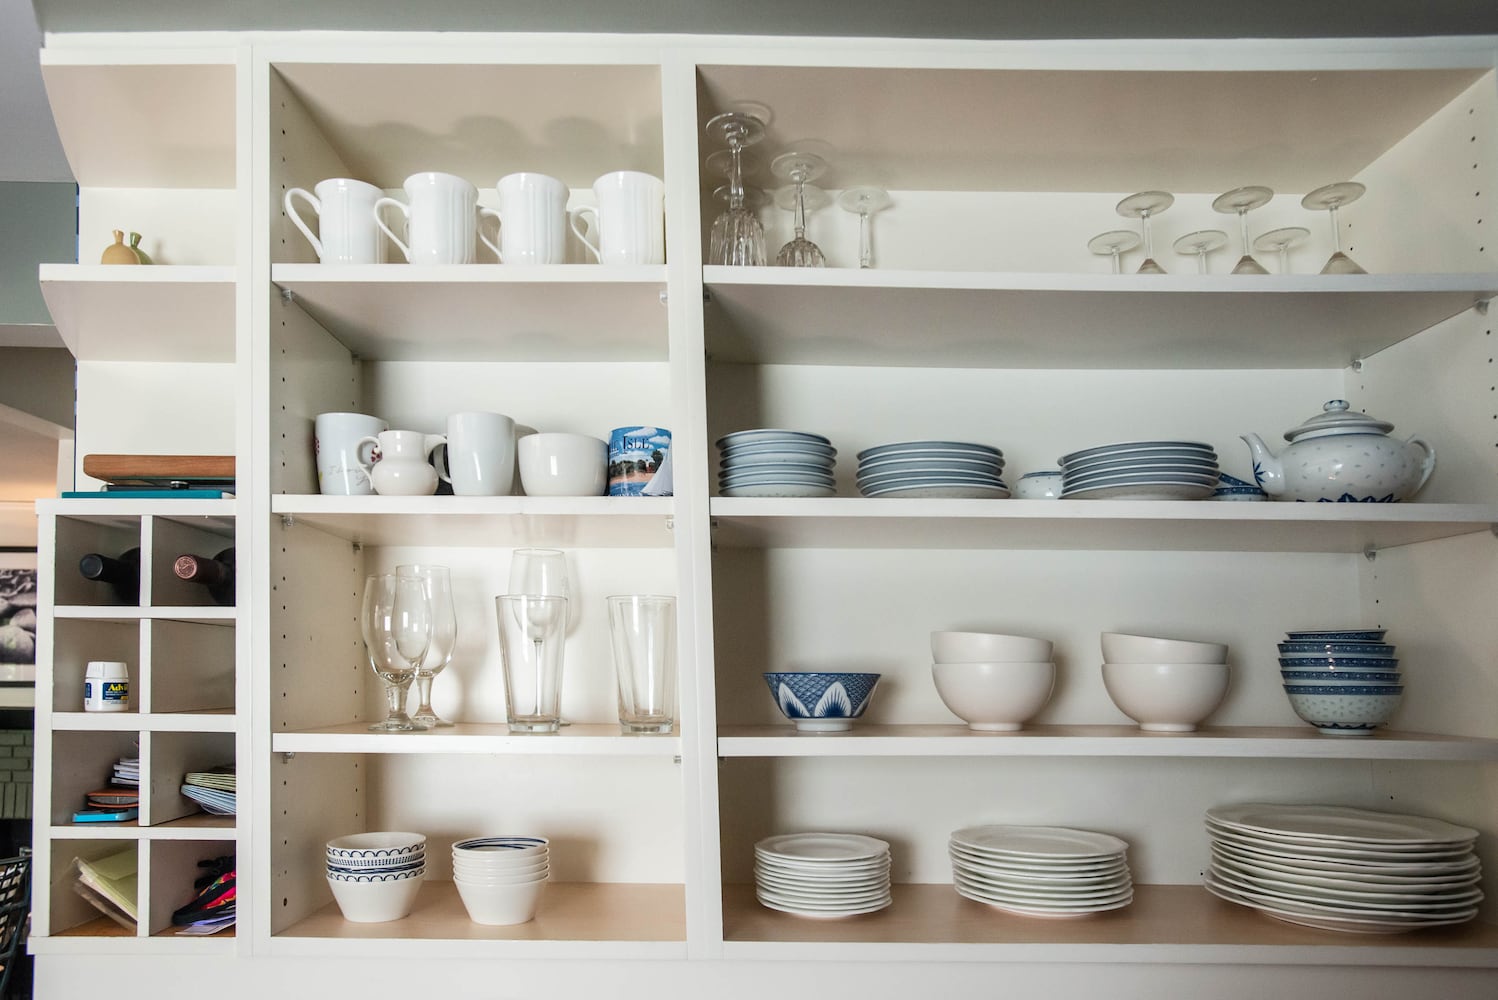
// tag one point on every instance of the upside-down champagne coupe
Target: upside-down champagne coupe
(800, 168)
(444, 636)
(1329, 198)
(1144, 206)
(1199, 244)
(396, 621)
(737, 235)
(1114, 243)
(1241, 201)
(865, 202)
(1279, 241)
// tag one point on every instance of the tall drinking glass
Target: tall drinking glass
(643, 629)
(444, 635)
(530, 642)
(396, 620)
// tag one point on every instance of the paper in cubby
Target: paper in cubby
(110, 885)
(215, 789)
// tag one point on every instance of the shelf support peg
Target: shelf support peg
(287, 521)
(1357, 364)
(287, 296)
(1370, 553)
(1481, 305)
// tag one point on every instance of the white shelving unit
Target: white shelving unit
(983, 319)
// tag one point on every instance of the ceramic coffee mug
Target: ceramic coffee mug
(630, 219)
(635, 456)
(532, 219)
(480, 455)
(345, 221)
(340, 456)
(441, 219)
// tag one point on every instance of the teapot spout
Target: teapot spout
(1268, 470)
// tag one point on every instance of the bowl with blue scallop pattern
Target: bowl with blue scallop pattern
(821, 701)
(1345, 711)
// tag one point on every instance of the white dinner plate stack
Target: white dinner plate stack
(1343, 869)
(822, 874)
(1140, 470)
(920, 469)
(775, 463)
(1041, 871)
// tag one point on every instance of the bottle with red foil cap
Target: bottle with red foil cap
(217, 574)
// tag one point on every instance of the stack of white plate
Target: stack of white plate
(1041, 871)
(822, 874)
(1344, 869)
(774, 463)
(1140, 470)
(932, 469)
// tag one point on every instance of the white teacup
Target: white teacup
(346, 230)
(340, 444)
(480, 455)
(630, 219)
(532, 219)
(563, 465)
(441, 219)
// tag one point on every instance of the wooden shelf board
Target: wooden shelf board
(581, 739)
(158, 125)
(1165, 923)
(943, 319)
(574, 919)
(175, 313)
(1096, 741)
(98, 927)
(571, 522)
(862, 522)
(489, 312)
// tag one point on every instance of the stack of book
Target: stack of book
(214, 789)
(118, 803)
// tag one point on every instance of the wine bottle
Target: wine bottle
(122, 574)
(217, 574)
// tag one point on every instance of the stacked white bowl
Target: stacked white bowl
(1165, 685)
(992, 681)
(500, 879)
(1345, 682)
(375, 876)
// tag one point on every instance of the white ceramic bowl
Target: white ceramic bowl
(988, 647)
(519, 867)
(1166, 697)
(481, 878)
(563, 465)
(376, 902)
(1121, 647)
(1345, 714)
(499, 905)
(377, 846)
(994, 697)
(1039, 485)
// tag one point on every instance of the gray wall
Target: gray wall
(38, 223)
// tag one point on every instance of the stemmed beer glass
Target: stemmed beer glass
(396, 620)
(444, 636)
(800, 168)
(737, 237)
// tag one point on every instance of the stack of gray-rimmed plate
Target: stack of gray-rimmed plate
(1041, 871)
(1140, 470)
(1343, 869)
(932, 469)
(822, 874)
(775, 463)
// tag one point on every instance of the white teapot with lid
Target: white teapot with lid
(1340, 456)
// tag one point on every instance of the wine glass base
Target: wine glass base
(1247, 265)
(534, 724)
(1340, 263)
(399, 726)
(643, 728)
(431, 720)
(1150, 266)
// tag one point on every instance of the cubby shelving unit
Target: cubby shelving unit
(983, 319)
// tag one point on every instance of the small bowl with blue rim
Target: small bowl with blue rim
(819, 701)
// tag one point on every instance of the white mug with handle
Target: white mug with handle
(441, 219)
(630, 219)
(532, 219)
(480, 455)
(346, 231)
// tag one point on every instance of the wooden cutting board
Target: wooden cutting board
(150, 470)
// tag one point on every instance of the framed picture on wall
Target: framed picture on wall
(17, 614)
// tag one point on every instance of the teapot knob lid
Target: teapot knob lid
(1336, 406)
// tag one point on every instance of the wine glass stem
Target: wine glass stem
(865, 243)
(735, 175)
(1243, 229)
(1336, 230)
(395, 695)
(1149, 240)
(540, 677)
(800, 208)
(1201, 262)
(424, 693)
(1284, 258)
(1117, 261)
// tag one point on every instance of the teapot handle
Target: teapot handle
(1428, 465)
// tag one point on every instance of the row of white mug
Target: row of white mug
(442, 216)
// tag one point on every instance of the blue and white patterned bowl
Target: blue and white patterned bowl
(1369, 678)
(1336, 649)
(1349, 711)
(381, 844)
(821, 701)
(1337, 635)
(1345, 662)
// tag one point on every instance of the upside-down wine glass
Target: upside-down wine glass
(1241, 201)
(396, 621)
(1144, 206)
(1329, 198)
(444, 636)
(865, 201)
(800, 167)
(1199, 244)
(1279, 241)
(737, 235)
(541, 573)
(1114, 243)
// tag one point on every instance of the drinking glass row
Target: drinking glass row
(442, 217)
(410, 632)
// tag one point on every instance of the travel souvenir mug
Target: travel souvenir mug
(635, 456)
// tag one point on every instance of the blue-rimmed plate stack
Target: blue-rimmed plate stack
(920, 469)
(1140, 470)
(775, 463)
(1345, 682)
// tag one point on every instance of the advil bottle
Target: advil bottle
(106, 687)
